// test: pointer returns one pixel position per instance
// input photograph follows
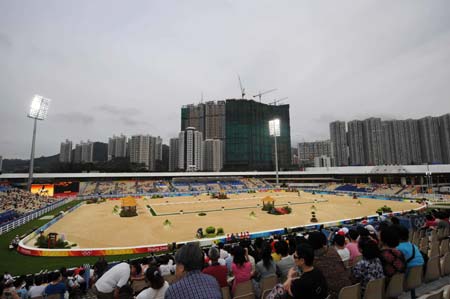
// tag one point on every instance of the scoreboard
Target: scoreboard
(66, 189)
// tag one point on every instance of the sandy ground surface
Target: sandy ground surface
(95, 225)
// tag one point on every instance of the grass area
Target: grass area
(18, 264)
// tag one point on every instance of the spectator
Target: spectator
(266, 266)
(430, 222)
(352, 245)
(56, 286)
(223, 252)
(37, 289)
(411, 252)
(339, 245)
(108, 286)
(286, 262)
(391, 258)
(158, 286)
(328, 261)
(100, 267)
(218, 271)
(7, 291)
(241, 267)
(369, 267)
(167, 265)
(311, 284)
(192, 283)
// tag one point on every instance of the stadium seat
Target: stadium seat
(413, 279)
(434, 295)
(350, 292)
(139, 285)
(245, 296)
(443, 247)
(446, 294)
(374, 289)
(395, 286)
(170, 278)
(267, 284)
(226, 293)
(445, 264)
(423, 244)
(244, 288)
(53, 296)
(434, 249)
(432, 272)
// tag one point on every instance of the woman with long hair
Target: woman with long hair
(241, 267)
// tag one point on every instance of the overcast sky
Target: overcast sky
(114, 67)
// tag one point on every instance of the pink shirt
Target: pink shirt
(241, 274)
(354, 251)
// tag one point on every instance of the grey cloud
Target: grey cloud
(74, 118)
(115, 110)
(131, 122)
(5, 41)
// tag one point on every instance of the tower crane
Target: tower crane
(275, 101)
(263, 93)
(242, 88)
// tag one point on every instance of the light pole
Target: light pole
(38, 111)
(274, 130)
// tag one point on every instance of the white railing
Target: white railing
(8, 226)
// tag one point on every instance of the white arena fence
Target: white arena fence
(13, 224)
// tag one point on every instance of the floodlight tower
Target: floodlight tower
(38, 111)
(274, 130)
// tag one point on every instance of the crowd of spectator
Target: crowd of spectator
(309, 265)
(21, 202)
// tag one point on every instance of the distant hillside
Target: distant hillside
(42, 164)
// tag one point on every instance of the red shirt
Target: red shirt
(219, 272)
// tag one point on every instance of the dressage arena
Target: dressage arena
(96, 226)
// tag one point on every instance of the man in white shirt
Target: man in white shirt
(37, 289)
(108, 286)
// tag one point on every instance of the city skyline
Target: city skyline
(112, 68)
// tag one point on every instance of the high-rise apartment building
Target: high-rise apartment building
(87, 152)
(339, 141)
(430, 144)
(248, 145)
(145, 149)
(190, 150)
(355, 143)
(212, 155)
(308, 151)
(373, 142)
(174, 152)
(117, 147)
(65, 152)
(77, 154)
(444, 132)
(207, 118)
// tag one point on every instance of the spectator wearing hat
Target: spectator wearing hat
(158, 286)
(218, 271)
(192, 283)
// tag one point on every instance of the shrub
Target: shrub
(167, 222)
(210, 230)
(220, 231)
(157, 196)
(202, 214)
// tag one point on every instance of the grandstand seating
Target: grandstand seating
(181, 186)
(351, 188)
(16, 202)
(145, 186)
(106, 187)
(125, 187)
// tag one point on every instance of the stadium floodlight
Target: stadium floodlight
(38, 111)
(274, 130)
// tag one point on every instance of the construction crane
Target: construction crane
(263, 93)
(275, 101)
(242, 88)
